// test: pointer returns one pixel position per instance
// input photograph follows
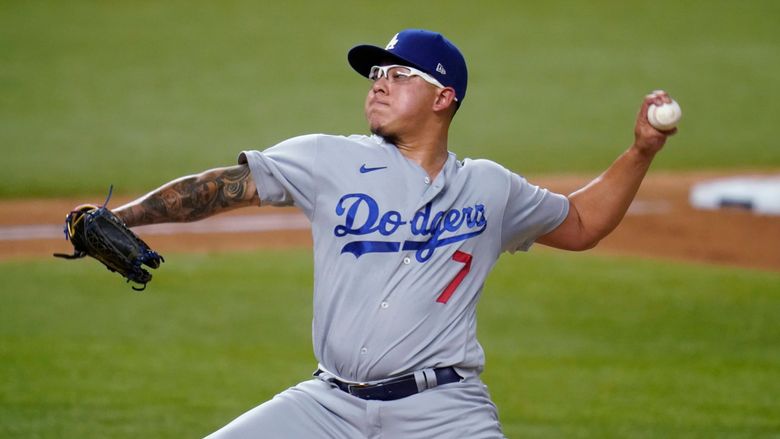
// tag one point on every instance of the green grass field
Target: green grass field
(578, 346)
(138, 93)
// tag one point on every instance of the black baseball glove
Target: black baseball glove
(97, 232)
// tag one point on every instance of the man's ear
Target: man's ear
(444, 98)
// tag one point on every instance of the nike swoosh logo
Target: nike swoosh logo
(364, 169)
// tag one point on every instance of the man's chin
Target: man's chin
(385, 134)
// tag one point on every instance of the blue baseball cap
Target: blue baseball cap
(422, 49)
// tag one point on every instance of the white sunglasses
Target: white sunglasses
(399, 73)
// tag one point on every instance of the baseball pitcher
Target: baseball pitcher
(405, 234)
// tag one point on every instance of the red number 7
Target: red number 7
(463, 258)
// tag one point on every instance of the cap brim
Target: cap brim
(365, 56)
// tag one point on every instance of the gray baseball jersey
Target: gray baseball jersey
(399, 259)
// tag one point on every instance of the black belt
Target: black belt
(397, 388)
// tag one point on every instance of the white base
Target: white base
(758, 194)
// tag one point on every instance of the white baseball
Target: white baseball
(664, 117)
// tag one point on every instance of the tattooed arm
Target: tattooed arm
(193, 197)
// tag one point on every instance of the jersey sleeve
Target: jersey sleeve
(284, 173)
(531, 212)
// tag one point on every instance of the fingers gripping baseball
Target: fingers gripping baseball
(649, 139)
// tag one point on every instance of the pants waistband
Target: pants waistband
(395, 388)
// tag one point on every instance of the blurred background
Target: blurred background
(616, 344)
(134, 93)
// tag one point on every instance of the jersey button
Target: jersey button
(384, 305)
(364, 351)
(427, 180)
(407, 261)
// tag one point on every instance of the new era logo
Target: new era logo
(440, 69)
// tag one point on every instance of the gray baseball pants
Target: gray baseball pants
(317, 409)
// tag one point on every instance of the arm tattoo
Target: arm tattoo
(193, 197)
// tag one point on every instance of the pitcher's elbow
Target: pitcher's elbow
(590, 244)
(585, 244)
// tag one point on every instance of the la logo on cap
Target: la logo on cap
(392, 43)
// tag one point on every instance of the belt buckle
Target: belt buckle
(350, 387)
